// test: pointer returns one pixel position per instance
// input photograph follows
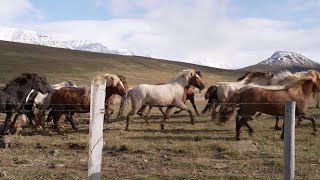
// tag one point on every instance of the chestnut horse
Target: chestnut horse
(271, 101)
(167, 95)
(71, 100)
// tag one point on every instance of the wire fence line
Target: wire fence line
(306, 162)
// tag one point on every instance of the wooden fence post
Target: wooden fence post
(289, 138)
(97, 108)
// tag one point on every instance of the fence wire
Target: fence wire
(50, 153)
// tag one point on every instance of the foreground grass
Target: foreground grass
(181, 151)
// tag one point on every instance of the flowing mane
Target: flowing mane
(112, 79)
(249, 76)
(309, 75)
(14, 84)
(184, 74)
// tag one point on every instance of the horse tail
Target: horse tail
(229, 108)
(212, 96)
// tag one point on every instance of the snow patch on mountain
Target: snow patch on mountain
(29, 37)
(287, 58)
(210, 63)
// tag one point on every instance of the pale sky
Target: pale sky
(235, 32)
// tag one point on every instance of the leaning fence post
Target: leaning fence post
(97, 104)
(289, 138)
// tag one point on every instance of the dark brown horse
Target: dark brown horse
(72, 100)
(271, 101)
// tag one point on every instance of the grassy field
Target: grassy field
(181, 151)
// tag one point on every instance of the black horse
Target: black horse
(13, 96)
(211, 96)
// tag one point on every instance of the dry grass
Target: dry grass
(181, 151)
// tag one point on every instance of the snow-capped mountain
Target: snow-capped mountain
(29, 37)
(95, 47)
(285, 60)
(215, 64)
(33, 37)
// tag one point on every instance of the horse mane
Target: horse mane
(186, 73)
(295, 85)
(112, 79)
(13, 84)
(250, 75)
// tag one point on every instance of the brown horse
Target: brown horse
(71, 100)
(110, 95)
(271, 101)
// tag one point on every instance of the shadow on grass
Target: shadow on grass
(181, 138)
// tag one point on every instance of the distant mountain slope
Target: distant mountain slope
(64, 64)
(33, 37)
(284, 60)
(95, 47)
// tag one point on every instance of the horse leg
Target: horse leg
(160, 109)
(248, 126)
(56, 118)
(71, 120)
(177, 111)
(165, 116)
(276, 127)
(306, 116)
(133, 111)
(239, 123)
(185, 107)
(194, 106)
(15, 119)
(213, 111)
(121, 109)
(7, 123)
(206, 108)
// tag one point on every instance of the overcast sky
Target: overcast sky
(235, 32)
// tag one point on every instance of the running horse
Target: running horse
(13, 96)
(271, 101)
(167, 95)
(70, 100)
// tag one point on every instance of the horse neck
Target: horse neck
(19, 91)
(183, 82)
(244, 81)
(109, 92)
(305, 90)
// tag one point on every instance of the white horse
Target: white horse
(167, 95)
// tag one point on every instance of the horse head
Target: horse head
(195, 79)
(116, 84)
(39, 83)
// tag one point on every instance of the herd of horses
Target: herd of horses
(30, 97)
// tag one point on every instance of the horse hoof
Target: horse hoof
(314, 133)
(237, 138)
(282, 137)
(277, 128)
(62, 133)
(162, 127)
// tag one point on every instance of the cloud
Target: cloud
(188, 31)
(14, 11)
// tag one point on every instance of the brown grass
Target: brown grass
(181, 151)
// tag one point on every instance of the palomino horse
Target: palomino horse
(71, 100)
(167, 95)
(13, 96)
(110, 95)
(271, 101)
(225, 90)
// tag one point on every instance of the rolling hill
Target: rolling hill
(59, 64)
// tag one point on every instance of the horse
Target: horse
(188, 95)
(69, 100)
(225, 90)
(110, 95)
(13, 96)
(271, 101)
(167, 95)
(281, 79)
(36, 99)
(211, 96)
